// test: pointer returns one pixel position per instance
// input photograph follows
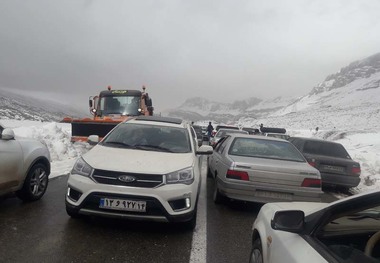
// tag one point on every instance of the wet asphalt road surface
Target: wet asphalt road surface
(42, 232)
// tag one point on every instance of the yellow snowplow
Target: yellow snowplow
(109, 108)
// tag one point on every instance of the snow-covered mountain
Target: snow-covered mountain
(18, 107)
(198, 108)
(353, 94)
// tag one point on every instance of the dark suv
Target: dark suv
(331, 159)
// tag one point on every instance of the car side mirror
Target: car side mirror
(8, 134)
(93, 139)
(289, 220)
(205, 150)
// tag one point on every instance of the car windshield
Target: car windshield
(278, 135)
(123, 105)
(346, 235)
(149, 137)
(252, 147)
(326, 148)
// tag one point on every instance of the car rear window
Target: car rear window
(252, 147)
(326, 148)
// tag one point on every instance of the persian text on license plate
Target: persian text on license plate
(276, 195)
(334, 168)
(122, 204)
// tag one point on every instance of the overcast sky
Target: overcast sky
(221, 50)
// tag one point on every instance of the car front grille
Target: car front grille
(134, 179)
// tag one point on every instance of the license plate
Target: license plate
(122, 204)
(266, 194)
(334, 168)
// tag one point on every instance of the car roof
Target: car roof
(157, 120)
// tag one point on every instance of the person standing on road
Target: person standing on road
(210, 128)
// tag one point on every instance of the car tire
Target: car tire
(72, 213)
(190, 225)
(209, 174)
(256, 255)
(35, 183)
(217, 196)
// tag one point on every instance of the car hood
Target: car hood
(137, 161)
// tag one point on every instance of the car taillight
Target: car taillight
(356, 170)
(238, 175)
(311, 182)
(311, 162)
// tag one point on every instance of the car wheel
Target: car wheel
(35, 183)
(72, 212)
(256, 252)
(217, 196)
(190, 225)
(209, 174)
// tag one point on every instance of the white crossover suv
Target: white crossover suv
(24, 166)
(147, 168)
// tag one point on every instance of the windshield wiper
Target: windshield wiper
(140, 146)
(152, 147)
(126, 145)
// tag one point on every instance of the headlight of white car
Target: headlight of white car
(185, 176)
(82, 168)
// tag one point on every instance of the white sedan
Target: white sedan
(347, 230)
(24, 166)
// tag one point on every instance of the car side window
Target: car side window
(222, 145)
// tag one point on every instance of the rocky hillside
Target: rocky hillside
(361, 69)
(198, 108)
(355, 89)
(18, 107)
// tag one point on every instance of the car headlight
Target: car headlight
(185, 176)
(82, 168)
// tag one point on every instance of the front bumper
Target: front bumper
(85, 195)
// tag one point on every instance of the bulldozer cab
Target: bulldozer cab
(118, 102)
(109, 108)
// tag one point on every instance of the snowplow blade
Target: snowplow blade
(81, 130)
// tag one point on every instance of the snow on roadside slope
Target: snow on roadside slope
(363, 147)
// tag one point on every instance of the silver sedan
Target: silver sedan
(261, 169)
